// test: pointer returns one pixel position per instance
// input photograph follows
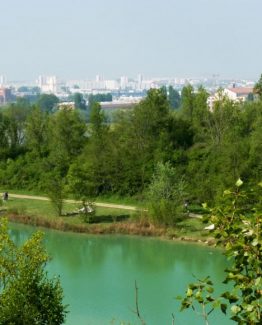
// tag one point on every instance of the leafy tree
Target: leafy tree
(54, 185)
(124, 159)
(36, 132)
(166, 195)
(23, 89)
(4, 145)
(98, 123)
(27, 296)
(174, 97)
(187, 101)
(79, 101)
(16, 115)
(258, 88)
(95, 158)
(82, 188)
(254, 168)
(201, 109)
(67, 138)
(47, 102)
(237, 223)
(23, 102)
(148, 126)
(99, 98)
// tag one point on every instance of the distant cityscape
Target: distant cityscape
(124, 90)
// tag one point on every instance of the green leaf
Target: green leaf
(239, 182)
(210, 289)
(235, 309)
(189, 292)
(255, 242)
(249, 308)
(198, 294)
(257, 282)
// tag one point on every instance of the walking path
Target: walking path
(103, 205)
(98, 204)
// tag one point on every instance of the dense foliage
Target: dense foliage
(237, 226)
(208, 148)
(27, 296)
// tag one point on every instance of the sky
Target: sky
(78, 39)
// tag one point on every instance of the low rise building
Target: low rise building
(239, 94)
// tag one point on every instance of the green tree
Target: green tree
(4, 145)
(258, 88)
(166, 195)
(174, 97)
(16, 115)
(66, 138)
(79, 101)
(54, 185)
(27, 296)
(47, 102)
(82, 187)
(36, 132)
(237, 227)
(149, 126)
(96, 156)
(99, 98)
(187, 101)
(201, 109)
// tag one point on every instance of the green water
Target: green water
(98, 275)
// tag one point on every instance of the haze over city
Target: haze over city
(83, 38)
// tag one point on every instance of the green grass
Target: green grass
(188, 228)
(114, 199)
(46, 210)
(191, 227)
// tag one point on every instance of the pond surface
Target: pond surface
(98, 275)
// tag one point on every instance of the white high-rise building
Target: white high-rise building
(111, 85)
(2, 80)
(48, 84)
(123, 82)
(139, 81)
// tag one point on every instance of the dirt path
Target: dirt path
(103, 205)
(98, 204)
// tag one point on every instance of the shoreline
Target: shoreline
(140, 228)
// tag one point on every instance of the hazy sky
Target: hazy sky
(82, 38)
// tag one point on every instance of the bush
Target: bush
(166, 195)
(27, 296)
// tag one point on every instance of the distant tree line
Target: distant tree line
(167, 142)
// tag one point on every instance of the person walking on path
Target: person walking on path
(5, 196)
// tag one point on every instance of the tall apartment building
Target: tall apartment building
(48, 84)
(2, 80)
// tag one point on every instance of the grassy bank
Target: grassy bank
(107, 221)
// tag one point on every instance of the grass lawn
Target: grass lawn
(114, 199)
(45, 209)
(193, 228)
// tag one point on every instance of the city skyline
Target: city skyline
(77, 40)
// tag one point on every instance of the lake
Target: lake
(98, 275)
